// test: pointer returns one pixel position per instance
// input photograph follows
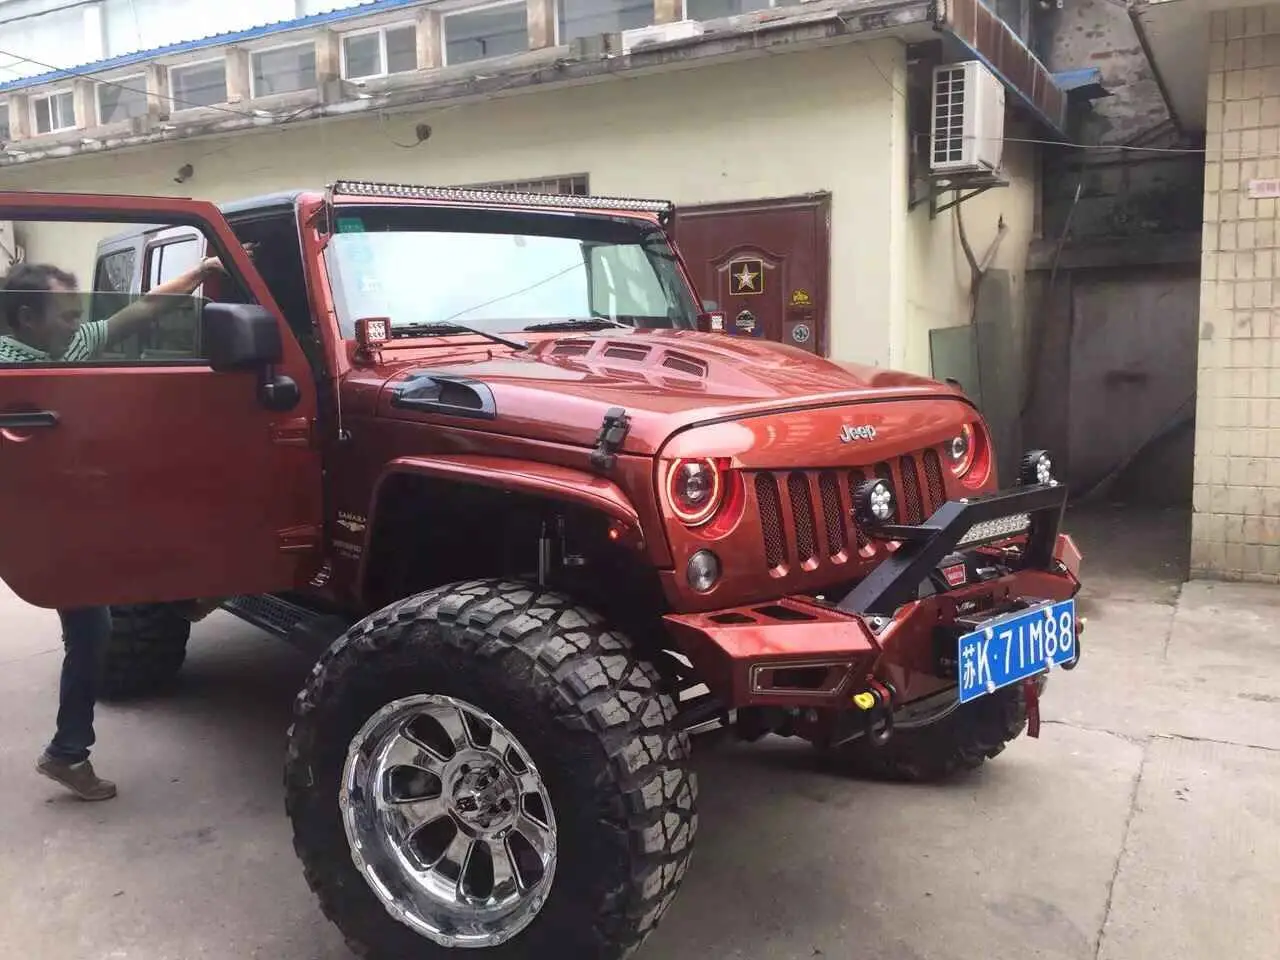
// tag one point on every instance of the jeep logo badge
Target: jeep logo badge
(849, 434)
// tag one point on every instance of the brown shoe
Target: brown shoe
(79, 778)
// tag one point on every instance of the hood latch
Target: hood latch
(613, 431)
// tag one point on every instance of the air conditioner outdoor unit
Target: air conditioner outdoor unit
(639, 37)
(968, 119)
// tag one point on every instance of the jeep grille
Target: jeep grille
(816, 528)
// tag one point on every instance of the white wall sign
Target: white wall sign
(1264, 189)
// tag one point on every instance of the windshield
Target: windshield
(502, 271)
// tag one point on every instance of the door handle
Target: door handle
(25, 420)
(28, 420)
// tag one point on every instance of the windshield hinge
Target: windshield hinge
(295, 432)
(300, 539)
(612, 432)
(321, 219)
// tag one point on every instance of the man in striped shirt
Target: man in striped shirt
(42, 310)
(41, 316)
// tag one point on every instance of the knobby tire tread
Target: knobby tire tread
(147, 649)
(603, 699)
(963, 740)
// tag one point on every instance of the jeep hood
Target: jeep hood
(668, 380)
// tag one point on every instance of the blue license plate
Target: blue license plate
(1012, 648)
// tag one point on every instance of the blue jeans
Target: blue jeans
(85, 633)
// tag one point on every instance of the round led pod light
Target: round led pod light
(1036, 468)
(874, 503)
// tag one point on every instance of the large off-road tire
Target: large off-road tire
(962, 740)
(580, 739)
(147, 649)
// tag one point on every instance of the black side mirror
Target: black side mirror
(241, 336)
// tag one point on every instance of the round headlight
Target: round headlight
(703, 571)
(1037, 467)
(874, 503)
(960, 450)
(694, 490)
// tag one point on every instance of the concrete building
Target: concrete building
(1116, 276)
(1219, 64)
(795, 135)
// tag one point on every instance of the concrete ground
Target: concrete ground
(1143, 825)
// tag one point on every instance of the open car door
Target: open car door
(155, 477)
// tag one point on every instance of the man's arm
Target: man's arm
(144, 312)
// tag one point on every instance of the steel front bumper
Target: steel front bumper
(801, 652)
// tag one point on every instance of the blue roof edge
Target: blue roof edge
(214, 40)
(1073, 80)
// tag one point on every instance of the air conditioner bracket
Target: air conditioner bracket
(961, 187)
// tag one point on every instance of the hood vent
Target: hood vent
(439, 393)
(619, 352)
(686, 364)
(571, 348)
(643, 360)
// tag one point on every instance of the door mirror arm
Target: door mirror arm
(246, 336)
(277, 391)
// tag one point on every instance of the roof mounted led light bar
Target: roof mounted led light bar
(362, 188)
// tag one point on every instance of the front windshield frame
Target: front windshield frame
(662, 268)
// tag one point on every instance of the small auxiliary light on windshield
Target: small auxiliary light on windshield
(712, 322)
(372, 332)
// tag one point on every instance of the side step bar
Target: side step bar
(308, 630)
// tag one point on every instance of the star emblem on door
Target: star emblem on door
(746, 277)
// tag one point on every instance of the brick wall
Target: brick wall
(1236, 523)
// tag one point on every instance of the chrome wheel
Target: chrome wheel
(449, 821)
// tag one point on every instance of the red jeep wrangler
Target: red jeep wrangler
(480, 455)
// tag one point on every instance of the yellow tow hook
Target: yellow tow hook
(866, 700)
(876, 704)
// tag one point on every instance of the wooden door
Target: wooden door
(765, 264)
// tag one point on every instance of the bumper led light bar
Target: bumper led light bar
(985, 531)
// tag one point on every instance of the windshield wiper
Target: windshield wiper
(581, 323)
(431, 329)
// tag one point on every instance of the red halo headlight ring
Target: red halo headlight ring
(961, 450)
(968, 455)
(695, 488)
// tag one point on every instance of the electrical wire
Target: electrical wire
(576, 265)
(1036, 332)
(1103, 147)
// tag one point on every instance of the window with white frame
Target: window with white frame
(490, 31)
(715, 9)
(122, 99)
(54, 112)
(282, 70)
(379, 52)
(587, 18)
(198, 84)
